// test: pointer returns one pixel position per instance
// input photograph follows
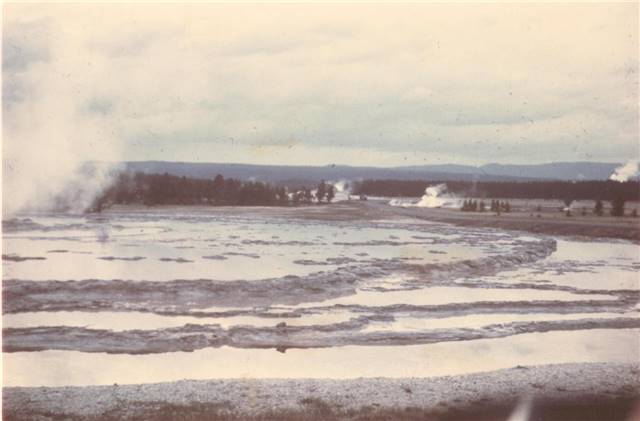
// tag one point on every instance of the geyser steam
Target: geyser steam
(431, 197)
(626, 171)
(434, 197)
(342, 190)
(51, 126)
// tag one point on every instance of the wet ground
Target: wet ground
(157, 295)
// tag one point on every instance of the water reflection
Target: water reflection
(59, 368)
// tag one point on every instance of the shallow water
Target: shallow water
(120, 321)
(63, 368)
(354, 277)
(219, 247)
(593, 265)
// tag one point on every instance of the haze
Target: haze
(319, 84)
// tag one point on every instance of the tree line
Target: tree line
(469, 205)
(617, 207)
(552, 190)
(167, 189)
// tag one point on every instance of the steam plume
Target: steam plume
(626, 171)
(434, 197)
(342, 190)
(51, 125)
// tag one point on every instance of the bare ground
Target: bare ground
(600, 391)
(548, 222)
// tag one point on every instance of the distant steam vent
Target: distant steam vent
(626, 171)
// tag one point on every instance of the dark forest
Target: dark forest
(166, 189)
(557, 190)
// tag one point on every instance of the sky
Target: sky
(311, 84)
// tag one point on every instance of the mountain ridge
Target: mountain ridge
(579, 170)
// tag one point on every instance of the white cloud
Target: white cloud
(354, 84)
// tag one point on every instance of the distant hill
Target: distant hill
(552, 171)
(556, 170)
(305, 175)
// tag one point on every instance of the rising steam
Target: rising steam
(51, 125)
(626, 171)
(434, 197)
(342, 190)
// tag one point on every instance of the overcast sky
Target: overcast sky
(320, 84)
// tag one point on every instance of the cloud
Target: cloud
(24, 44)
(412, 83)
(99, 105)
